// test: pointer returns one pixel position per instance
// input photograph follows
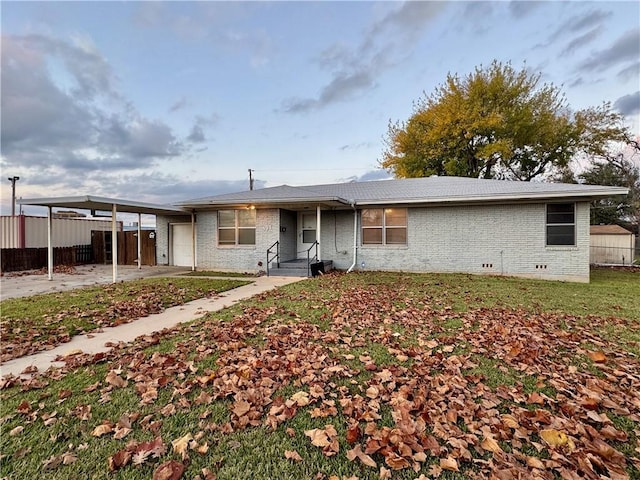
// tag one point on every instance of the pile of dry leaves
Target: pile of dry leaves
(35, 335)
(553, 415)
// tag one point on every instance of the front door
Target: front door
(306, 233)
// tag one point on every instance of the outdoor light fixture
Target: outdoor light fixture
(13, 181)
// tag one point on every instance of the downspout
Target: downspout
(193, 240)
(139, 246)
(50, 243)
(114, 243)
(355, 236)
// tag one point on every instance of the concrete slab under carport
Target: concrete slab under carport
(25, 284)
(115, 206)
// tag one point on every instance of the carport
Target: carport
(114, 205)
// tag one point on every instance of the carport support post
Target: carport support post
(139, 241)
(193, 241)
(318, 232)
(50, 243)
(114, 242)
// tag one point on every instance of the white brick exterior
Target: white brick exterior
(492, 239)
(481, 239)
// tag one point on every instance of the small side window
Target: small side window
(561, 224)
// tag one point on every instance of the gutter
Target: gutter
(355, 236)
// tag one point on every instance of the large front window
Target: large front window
(384, 226)
(561, 224)
(237, 227)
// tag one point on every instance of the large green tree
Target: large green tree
(497, 123)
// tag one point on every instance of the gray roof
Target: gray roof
(430, 190)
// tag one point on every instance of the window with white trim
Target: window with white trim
(561, 224)
(237, 227)
(384, 226)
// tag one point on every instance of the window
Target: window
(561, 224)
(386, 226)
(237, 227)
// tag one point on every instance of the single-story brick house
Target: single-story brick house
(435, 224)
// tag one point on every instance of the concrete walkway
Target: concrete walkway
(95, 341)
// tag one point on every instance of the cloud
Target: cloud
(372, 175)
(579, 23)
(343, 86)
(628, 104)
(197, 134)
(179, 105)
(522, 8)
(357, 146)
(630, 72)
(625, 48)
(61, 107)
(581, 41)
(353, 69)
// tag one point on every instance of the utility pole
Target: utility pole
(13, 181)
(250, 179)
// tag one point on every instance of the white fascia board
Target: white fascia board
(587, 196)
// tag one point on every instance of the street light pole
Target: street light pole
(13, 181)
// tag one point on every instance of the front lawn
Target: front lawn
(32, 324)
(369, 376)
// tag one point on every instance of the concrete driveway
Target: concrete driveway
(18, 284)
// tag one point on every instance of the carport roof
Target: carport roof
(89, 202)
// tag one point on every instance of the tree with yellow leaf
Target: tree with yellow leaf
(497, 123)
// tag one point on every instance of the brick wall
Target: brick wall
(500, 239)
(211, 256)
(336, 238)
(489, 239)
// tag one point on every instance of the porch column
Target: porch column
(114, 243)
(318, 232)
(139, 241)
(193, 241)
(50, 243)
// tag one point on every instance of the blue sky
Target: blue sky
(165, 101)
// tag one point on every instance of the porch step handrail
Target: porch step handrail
(309, 258)
(276, 255)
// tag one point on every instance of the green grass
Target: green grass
(210, 273)
(48, 319)
(340, 319)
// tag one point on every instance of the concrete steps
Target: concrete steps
(295, 268)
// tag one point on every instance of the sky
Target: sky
(168, 101)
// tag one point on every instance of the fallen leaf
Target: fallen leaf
(535, 462)
(116, 380)
(119, 460)
(449, 463)
(241, 407)
(301, 398)
(292, 455)
(181, 444)
(490, 445)
(171, 470)
(555, 438)
(102, 430)
(598, 356)
(356, 452)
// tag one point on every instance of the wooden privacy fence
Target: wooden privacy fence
(102, 244)
(17, 259)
